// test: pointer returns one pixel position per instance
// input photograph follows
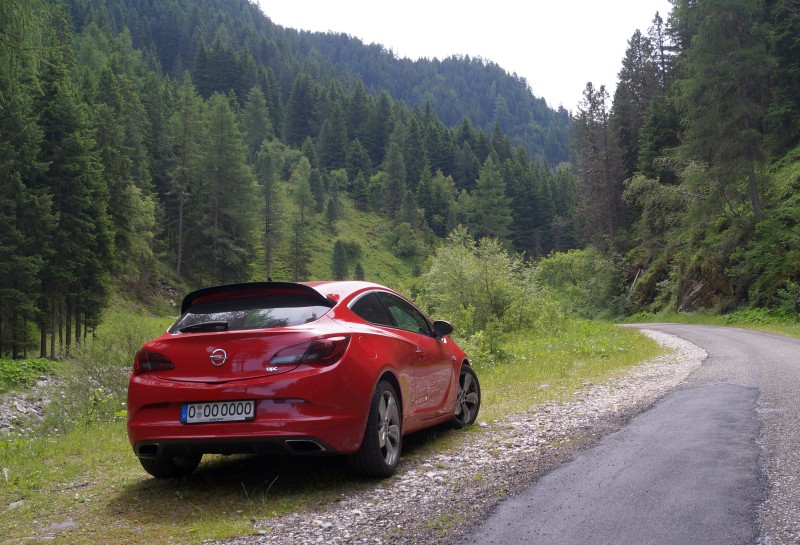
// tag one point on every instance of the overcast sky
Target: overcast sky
(556, 45)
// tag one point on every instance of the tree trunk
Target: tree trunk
(180, 235)
(53, 328)
(78, 316)
(14, 334)
(68, 324)
(754, 198)
(43, 337)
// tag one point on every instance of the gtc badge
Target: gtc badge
(218, 357)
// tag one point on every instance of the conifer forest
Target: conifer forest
(150, 145)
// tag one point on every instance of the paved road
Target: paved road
(715, 462)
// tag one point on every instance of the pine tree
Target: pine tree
(333, 139)
(396, 184)
(379, 127)
(723, 97)
(783, 117)
(490, 210)
(121, 124)
(414, 152)
(223, 213)
(298, 122)
(358, 272)
(26, 220)
(638, 85)
(599, 169)
(357, 161)
(78, 271)
(185, 136)
(265, 172)
(339, 261)
(357, 113)
(300, 250)
(256, 121)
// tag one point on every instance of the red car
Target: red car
(305, 368)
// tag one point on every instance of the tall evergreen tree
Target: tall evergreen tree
(723, 97)
(358, 113)
(300, 250)
(26, 220)
(333, 139)
(185, 136)
(490, 211)
(783, 117)
(637, 86)
(396, 186)
(339, 261)
(599, 169)
(78, 272)
(256, 121)
(265, 171)
(298, 123)
(379, 127)
(223, 213)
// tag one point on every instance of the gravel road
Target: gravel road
(439, 499)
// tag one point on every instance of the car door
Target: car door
(433, 368)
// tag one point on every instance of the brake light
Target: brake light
(319, 352)
(151, 361)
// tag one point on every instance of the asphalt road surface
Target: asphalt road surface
(715, 462)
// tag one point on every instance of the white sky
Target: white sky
(556, 45)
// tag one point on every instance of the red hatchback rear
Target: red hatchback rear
(322, 368)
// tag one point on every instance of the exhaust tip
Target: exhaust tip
(304, 446)
(147, 450)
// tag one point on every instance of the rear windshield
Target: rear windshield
(242, 313)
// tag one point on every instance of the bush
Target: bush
(584, 280)
(25, 372)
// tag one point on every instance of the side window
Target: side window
(372, 310)
(405, 315)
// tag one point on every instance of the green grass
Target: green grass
(756, 319)
(545, 367)
(91, 478)
(86, 475)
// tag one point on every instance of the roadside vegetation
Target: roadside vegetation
(526, 328)
(76, 477)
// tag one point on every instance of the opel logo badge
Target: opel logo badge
(218, 357)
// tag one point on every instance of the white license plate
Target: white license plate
(218, 411)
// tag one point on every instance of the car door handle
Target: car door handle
(419, 353)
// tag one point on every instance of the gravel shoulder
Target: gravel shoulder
(437, 500)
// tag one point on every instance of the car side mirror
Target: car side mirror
(442, 328)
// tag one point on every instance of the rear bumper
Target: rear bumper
(324, 416)
(168, 448)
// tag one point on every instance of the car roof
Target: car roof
(339, 289)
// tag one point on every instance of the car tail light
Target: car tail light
(320, 352)
(151, 361)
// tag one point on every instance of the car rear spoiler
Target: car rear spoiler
(252, 289)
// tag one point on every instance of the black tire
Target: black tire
(468, 402)
(379, 453)
(173, 467)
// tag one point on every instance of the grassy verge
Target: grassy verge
(757, 320)
(546, 367)
(85, 486)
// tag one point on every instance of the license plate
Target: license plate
(218, 411)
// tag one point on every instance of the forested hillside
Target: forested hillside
(690, 174)
(187, 143)
(228, 43)
(167, 145)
